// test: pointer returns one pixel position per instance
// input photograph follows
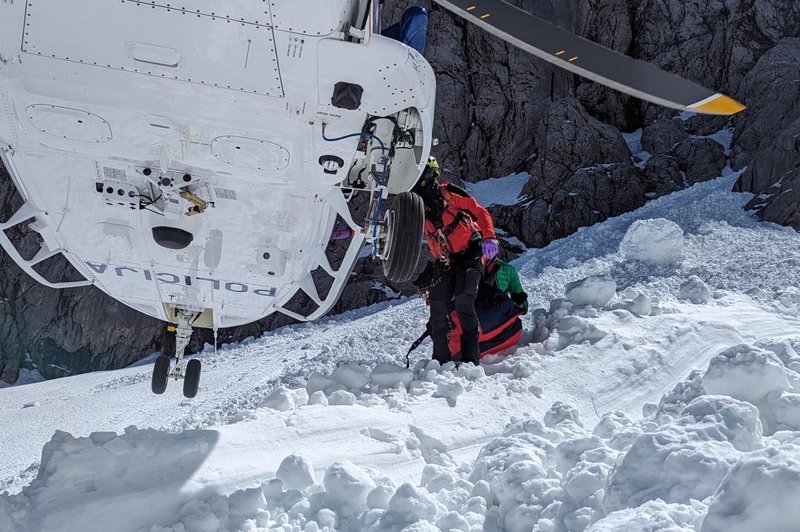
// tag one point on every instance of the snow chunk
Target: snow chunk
(296, 472)
(322, 383)
(658, 242)
(341, 398)
(281, 399)
(411, 504)
(585, 479)
(723, 418)
(760, 493)
(516, 479)
(379, 497)
(575, 330)
(652, 516)
(569, 452)
(747, 373)
(612, 423)
(595, 291)
(694, 290)
(389, 375)
(318, 398)
(351, 377)
(246, 502)
(348, 485)
(560, 412)
(453, 521)
(634, 302)
(687, 458)
(785, 409)
(449, 390)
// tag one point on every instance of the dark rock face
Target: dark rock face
(62, 332)
(501, 111)
(663, 175)
(588, 196)
(700, 159)
(768, 135)
(663, 135)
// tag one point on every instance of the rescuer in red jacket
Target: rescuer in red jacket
(461, 238)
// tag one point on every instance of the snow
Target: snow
(760, 493)
(26, 376)
(747, 373)
(638, 154)
(652, 516)
(647, 412)
(694, 290)
(499, 191)
(595, 291)
(296, 472)
(658, 242)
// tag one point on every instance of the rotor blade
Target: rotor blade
(589, 59)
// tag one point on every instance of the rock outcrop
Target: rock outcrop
(767, 135)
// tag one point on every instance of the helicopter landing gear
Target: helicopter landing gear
(191, 373)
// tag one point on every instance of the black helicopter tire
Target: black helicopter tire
(405, 220)
(160, 374)
(191, 379)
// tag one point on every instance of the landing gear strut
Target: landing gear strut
(191, 374)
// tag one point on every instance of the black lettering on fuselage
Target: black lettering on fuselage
(185, 280)
(229, 287)
(175, 278)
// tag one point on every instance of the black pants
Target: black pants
(460, 283)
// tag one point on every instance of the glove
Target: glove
(490, 248)
(521, 299)
(429, 278)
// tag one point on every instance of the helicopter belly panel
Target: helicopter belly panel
(170, 191)
(160, 41)
(244, 248)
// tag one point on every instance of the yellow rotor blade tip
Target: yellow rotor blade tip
(720, 105)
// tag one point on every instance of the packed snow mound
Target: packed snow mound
(296, 472)
(553, 475)
(686, 458)
(658, 242)
(634, 302)
(695, 290)
(80, 477)
(653, 516)
(760, 493)
(595, 291)
(746, 372)
(689, 459)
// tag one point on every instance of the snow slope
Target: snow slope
(603, 420)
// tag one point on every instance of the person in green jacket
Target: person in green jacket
(506, 278)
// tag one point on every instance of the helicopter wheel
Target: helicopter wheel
(404, 220)
(160, 374)
(191, 379)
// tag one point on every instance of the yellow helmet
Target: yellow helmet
(429, 180)
(433, 163)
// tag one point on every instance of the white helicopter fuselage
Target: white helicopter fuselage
(176, 154)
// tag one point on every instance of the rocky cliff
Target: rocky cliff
(501, 111)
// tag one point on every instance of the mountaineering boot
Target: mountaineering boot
(470, 351)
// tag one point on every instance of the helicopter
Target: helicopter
(193, 160)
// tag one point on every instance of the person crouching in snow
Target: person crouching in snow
(505, 278)
(461, 238)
